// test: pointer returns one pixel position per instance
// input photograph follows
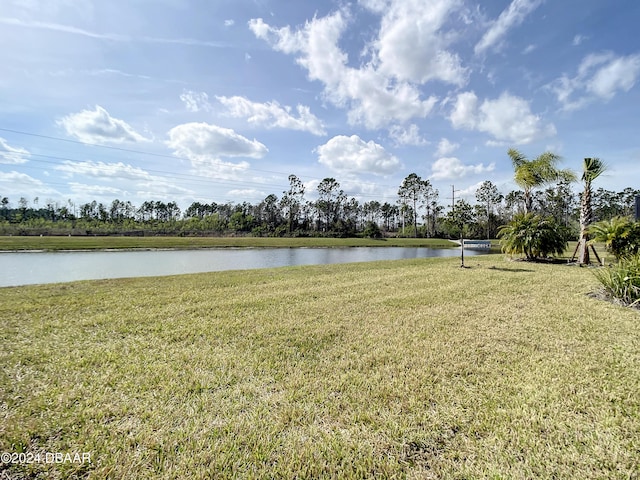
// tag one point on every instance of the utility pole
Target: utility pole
(453, 197)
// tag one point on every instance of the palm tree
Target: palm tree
(530, 174)
(592, 168)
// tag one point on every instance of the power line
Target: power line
(161, 155)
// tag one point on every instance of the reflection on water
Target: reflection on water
(23, 268)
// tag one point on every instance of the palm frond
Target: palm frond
(517, 158)
(567, 175)
(592, 168)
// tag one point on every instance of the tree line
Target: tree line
(418, 211)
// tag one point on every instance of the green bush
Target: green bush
(533, 236)
(372, 230)
(622, 280)
(620, 235)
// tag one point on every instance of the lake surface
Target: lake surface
(25, 268)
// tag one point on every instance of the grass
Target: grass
(116, 242)
(405, 369)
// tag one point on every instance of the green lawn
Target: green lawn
(411, 369)
(93, 243)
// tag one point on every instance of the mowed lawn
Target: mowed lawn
(53, 243)
(403, 369)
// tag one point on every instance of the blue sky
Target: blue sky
(200, 100)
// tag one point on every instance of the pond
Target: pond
(25, 268)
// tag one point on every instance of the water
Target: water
(25, 268)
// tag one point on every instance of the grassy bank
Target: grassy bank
(407, 369)
(96, 243)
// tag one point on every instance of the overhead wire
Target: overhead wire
(172, 175)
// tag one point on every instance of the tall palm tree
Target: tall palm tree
(592, 168)
(530, 174)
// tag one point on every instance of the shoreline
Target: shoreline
(50, 244)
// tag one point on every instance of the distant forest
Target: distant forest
(417, 212)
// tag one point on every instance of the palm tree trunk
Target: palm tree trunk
(528, 201)
(586, 216)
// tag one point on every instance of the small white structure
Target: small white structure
(479, 244)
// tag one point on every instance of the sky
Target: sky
(221, 100)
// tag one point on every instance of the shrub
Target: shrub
(372, 230)
(533, 236)
(622, 280)
(620, 235)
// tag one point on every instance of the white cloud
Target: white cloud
(446, 147)
(412, 45)
(97, 126)
(229, 23)
(272, 114)
(448, 168)
(103, 170)
(159, 187)
(509, 18)
(469, 193)
(14, 177)
(195, 101)
(205, 144)
(12, 155)
(507, 118)
(361, 190)
(95, 190)
(578, 40)
(373, 99)
(376, 6)
(352, 155)
(136, 179)
(618, 74)
(600, 77)
(247, 193)
(465, 111)
(112, 37)
(16, 184)
(407, 136)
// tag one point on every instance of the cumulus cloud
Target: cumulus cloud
(513, 16)
(507, 118)
(12, 155)
(245, 193)
(195, 101)
(134, 178)
(373, 98)
(204, 145)
(14, 177)
(272, 114)
(600, 77)
(407, 135)
(465, 111)
(95, 190)
(446, 147)
(352, 155)
(448, 168)
(412, 43)
(103, 170)
(97, 126)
